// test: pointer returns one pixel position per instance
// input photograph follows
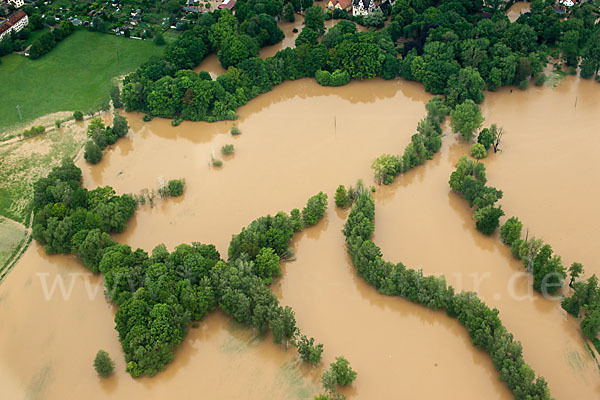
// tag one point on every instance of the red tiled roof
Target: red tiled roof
(344, 4)
(227, 4)
(16, 17)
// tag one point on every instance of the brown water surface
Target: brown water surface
(297, 140)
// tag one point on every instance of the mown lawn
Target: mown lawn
(76, 75)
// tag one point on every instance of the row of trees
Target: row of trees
(167, 88)
(584, 302)
(102, 136)
(47, 41)
(451, 48)
(469, 179)
(158, 295)
(482, 323)
(424, 144)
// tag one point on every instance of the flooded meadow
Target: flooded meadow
(297, 140)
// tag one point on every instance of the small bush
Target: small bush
(217, 163)
(159, 39)
(235, 130)
(103, 365)
(93, 153)
(78, 115)
(175, 187)
(572, 71)
(57, 123)
(540, 79)
(342, 199)
(147, 118)
(478, 151)
(524, 84)
(227, 149)
(598, 78)
(177, 121)
(34, 130)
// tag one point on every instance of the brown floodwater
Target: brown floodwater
(296, 140)
(212, 65)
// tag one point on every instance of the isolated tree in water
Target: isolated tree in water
(103, 365)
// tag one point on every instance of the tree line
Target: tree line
(452, 47)
(423, 145)
(159, 294)
(48, 40)
(102, 136)
(482, 323)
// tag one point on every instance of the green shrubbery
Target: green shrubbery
(227, 149)
(103, 136)
(482, 323)
(34, 130)
(424, 144)
(158, 295)
(335, 78)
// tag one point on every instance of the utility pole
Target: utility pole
(19, 110)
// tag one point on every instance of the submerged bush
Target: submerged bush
(175, 187)
(227, 149)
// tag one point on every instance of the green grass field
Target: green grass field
(76, 75)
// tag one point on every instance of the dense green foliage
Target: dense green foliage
(103, 136)
(34, 130)
(466, 119)
(315, 209)
(344, 374)
(424, 144)
(158, 295)
(585, 301)
(175, 187)
(47, 41)
(469, 180)
(342, 199)
(482, 323)
(103, 365)
(478, 151)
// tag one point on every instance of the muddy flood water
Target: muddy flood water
(297, 140)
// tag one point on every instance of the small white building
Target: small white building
(365, 7)
(17, 3)
(15, 22)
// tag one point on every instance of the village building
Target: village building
(344, 5)
(17, 3)
(227, 4)
(364, 7)
(14, 23)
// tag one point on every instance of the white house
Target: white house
(17, 3)
(364, 7)
(15, 22)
